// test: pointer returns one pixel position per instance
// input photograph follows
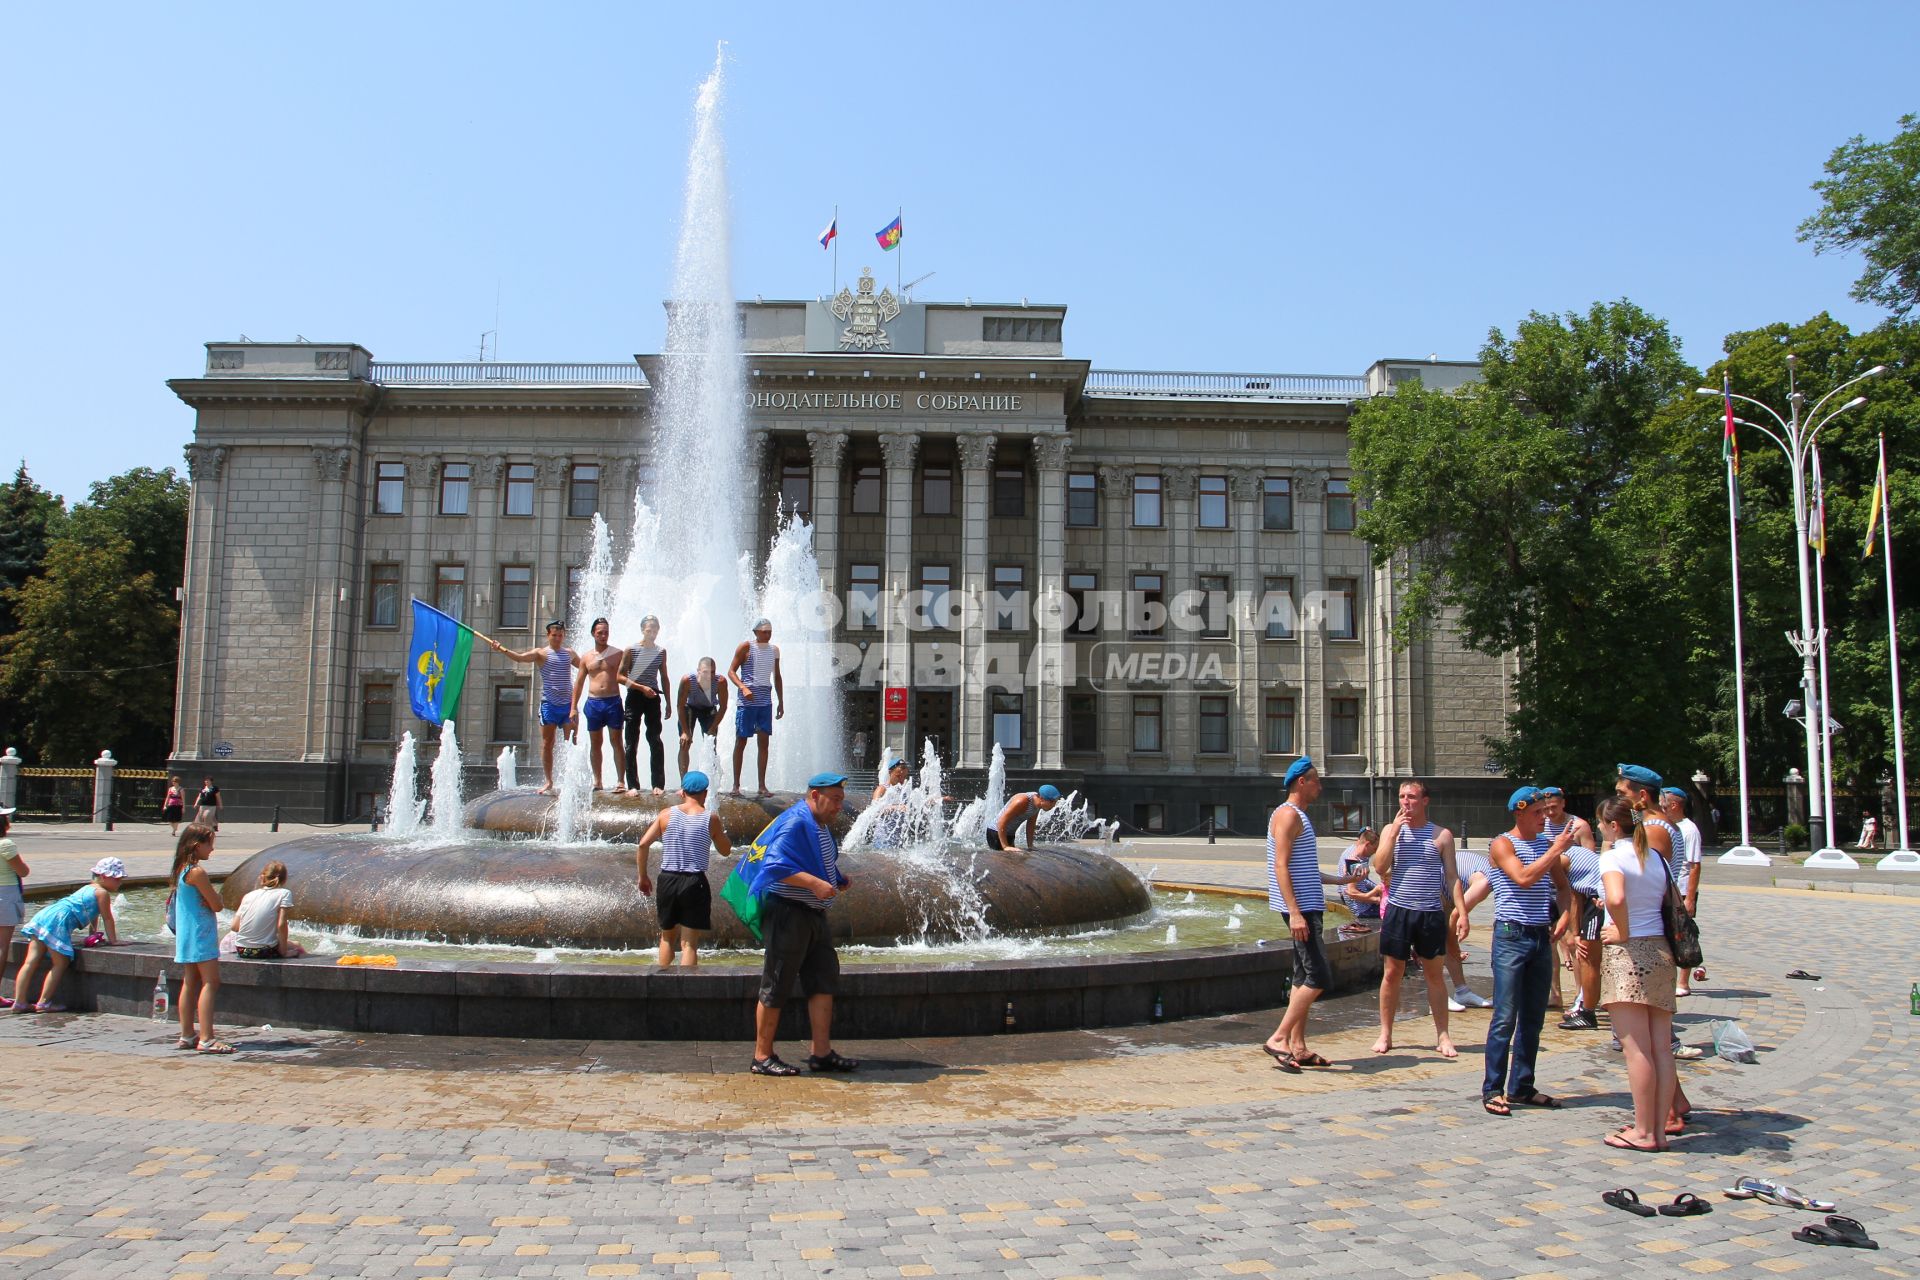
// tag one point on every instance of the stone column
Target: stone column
(898, 449)
(1050, 703)
(828, 448)
(1309, 496)
(103, 769)
(1249, 627)
(9, 778)
(1182, 705)
(1116, 705)
(328, 681)
(976, 475)
(200, 601)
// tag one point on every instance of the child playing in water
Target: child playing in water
(50, 934)
(260, 921)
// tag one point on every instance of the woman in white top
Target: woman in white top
(260, 921)
(1636, 974)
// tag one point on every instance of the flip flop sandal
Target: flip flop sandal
(1804, 976)
(1620, 1142)
(1685, 1205)
(1495, 1105)
(1627, 1198)
(1852, 1233)
(1773, 1193)
(1282, 1060)
(1311, 1060)
(1535, 1098)
(772, 1066)
(185, 1042)
(213, 1046)
(831, 1062)
(43, 1007)
(1820, 1233)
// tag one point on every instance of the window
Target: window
(1083, 722)
(456, 482)
(1019, 329)
(1342, 595)
(1276, 608)
(376, 712)
(390, 489)
(1218, 816)
(1083, 500)
(796, 488)
(1214, 731)
(516, 600)
(936, 491)
(866, 491)
(450, 590)
(1279, 727)
(936, 581)
(1009, 597)
(1343, 727)
(519, 500)
(863, 597)
(583, 490)
(1150, 817)
(1215, 616)
(1213, 502)
(1339, 506)
(1146, 502)
(1146, 722)
(1146, 612)
(509, 713)
(1009, 491)
(1007, 722)
(1086, 612)
(383, 595)
(574, 574)
(1276, 503)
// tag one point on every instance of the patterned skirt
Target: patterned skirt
(1638, 972)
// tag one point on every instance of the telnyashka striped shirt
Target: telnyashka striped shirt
(1303, 866)
(1532, 904)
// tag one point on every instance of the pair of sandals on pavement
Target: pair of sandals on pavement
(1835, 1230)
(1502, 1104)
(771, 1065)
(1292, 1062)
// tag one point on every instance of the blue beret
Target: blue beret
(1521, 798)
(1049, 792)
(826, 779)
(1673, 791)
(693, 782)
(894, 762)
(1550, 791)
(1295, 769)
(1639, 774)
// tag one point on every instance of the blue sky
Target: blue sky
(1278, 188)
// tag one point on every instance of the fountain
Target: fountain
(404, 812)
(506, 771)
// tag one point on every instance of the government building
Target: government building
(1145, 585)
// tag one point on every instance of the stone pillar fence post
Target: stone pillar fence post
(9, 778)
(103, 770)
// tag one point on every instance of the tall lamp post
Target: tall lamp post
(1796, 434)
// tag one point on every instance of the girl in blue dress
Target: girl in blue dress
(50, 934)
(196, 939)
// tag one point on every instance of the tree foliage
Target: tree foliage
(29, 517)
(1870, 201)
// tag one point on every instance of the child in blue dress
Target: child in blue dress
(196, 939)
(50, 934)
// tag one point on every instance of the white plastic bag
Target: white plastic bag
(1731, 1043)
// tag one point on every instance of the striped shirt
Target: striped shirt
(1303, 867)
(1532, 904)
(1584, 871)
(643, 665)
(800, 893)
(759, 666)
(1677, 860)
(556, 678)
(1419, 877)
(687, 841)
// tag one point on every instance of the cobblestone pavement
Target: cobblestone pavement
(1169, 1150)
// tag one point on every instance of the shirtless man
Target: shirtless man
(556, 707)
(1025, 807)
(599, 671)
(755, 672)
(1417, 855)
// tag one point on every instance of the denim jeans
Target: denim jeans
(1522, 979)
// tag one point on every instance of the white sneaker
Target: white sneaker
(1454, 1006)
(1466, 997)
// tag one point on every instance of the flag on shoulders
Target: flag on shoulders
(1876, 505)
(833, 229)
(437, 663)
(890, 235)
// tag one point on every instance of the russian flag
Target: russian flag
(833, 229)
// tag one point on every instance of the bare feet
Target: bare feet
(546, 789)
(1444, 1047)
(764, 794)
(1384, 1044)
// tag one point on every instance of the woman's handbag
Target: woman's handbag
(1683, 934)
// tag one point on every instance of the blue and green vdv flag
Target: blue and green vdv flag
(437, 663)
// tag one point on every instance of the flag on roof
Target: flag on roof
(833, 229)
(890, 235)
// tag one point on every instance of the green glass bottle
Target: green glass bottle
(1913, 1000)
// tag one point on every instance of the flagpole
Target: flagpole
(1903, 857)
(1746, 852)
(835, 224)
(900, 255)
(1820, 629)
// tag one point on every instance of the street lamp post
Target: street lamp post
(1796, 435)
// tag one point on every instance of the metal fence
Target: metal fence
(457, 372)
(1165, 384)
(66, 795)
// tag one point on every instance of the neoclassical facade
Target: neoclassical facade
(1142, 584)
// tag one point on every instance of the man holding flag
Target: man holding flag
(557, 663)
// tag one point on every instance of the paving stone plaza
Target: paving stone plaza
(1169, 1150)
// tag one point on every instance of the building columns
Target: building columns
(976, 475)
(1050, 471)
(898, 449)
(828, 449)
(1182, 707)
(1310, 492)
(1248, 626)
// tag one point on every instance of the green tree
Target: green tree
(1870, 201)
(29, 518)
(148, 508)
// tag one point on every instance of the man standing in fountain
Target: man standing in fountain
(556, 689)
(685, 902)
(755, 672)
(1025, 807)
(600, 673)
(796, 876)
(647, 702)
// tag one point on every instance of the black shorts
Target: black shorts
(993, 839)
(703, 718)
(259, 953)
(1310, 967)
(1593, 918)
(799, 947)
(1405, 933)
(683, 900)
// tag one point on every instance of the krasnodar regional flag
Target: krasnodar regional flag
(890, 235)
(833, 229)
(1730, 446)
(1876, 506)
(1819, 539)
(437, 663)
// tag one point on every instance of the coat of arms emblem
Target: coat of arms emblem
(865, 314)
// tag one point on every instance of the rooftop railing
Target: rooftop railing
(1160, 384)
(469, 372)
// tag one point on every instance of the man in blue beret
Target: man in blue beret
(686, 834)
(1294, 889)
(796, 876)
(1026, 807)
(1532, 901)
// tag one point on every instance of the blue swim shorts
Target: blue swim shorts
(555, 713)
(603, 713)
(753, 717)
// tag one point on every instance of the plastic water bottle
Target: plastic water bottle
(160, 996)
(1159, 1008)
(1009, 1024)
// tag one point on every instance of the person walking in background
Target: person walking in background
(703, 701)
(755, 673)
(173, 809)
(556, 663)
(207, 805)
(648, 700)
(196, 939)
(13, 898)
(1636, 983)
(797, 876)
(1526, 924)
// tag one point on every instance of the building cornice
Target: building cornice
(209, 392)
